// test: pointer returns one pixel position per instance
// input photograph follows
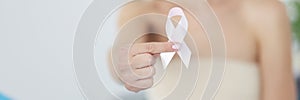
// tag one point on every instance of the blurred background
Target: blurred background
(36, 39)
(293, 7)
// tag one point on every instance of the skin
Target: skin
(138, 73)
(256, 31)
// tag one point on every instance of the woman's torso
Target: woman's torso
(241, 78)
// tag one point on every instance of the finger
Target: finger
(152, 48)
(143, 73)
(142, 60)
(133, 89)
(140, 85)
(144, 83)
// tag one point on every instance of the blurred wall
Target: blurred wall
(36, 39)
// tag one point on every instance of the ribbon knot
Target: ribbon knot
(176, 35)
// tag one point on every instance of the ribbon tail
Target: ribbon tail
(185, 54)
(166, 58)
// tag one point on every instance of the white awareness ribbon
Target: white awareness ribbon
(176, 35)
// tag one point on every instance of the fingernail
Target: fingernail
(174, 47)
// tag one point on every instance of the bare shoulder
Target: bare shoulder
(265, 17)
(263, 11)
(264, 5)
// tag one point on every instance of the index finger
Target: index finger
(152, 48)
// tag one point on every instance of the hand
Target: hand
(136, 70)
